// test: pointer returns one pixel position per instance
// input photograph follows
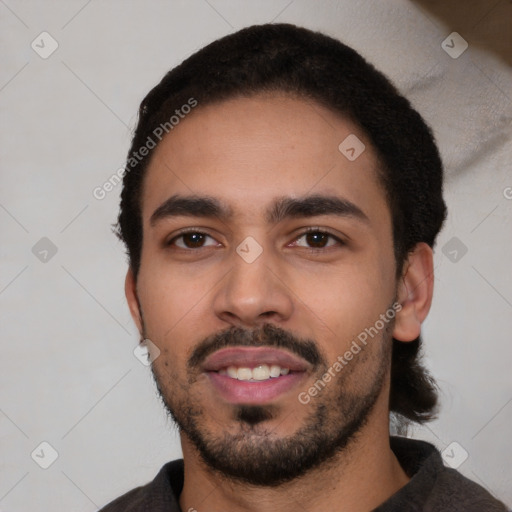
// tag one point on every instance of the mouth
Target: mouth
(254, 375)
(257, 374)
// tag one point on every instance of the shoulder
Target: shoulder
(433, 487)
(162, 493)
(452, 489)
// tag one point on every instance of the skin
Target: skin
(247, 152)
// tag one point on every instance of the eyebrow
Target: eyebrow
(282, 208)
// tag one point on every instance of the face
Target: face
(266, 254)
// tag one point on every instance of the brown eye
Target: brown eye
(317, 239)
(191, 240)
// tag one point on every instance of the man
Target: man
(280, 205)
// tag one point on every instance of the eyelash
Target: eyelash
(305, 232)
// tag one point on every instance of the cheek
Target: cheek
(171, 298)
(346, 301)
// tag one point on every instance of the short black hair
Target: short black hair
(313, 66)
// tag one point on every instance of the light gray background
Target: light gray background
(68, 375)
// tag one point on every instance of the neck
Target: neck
(359, 478)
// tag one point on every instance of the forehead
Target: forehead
(249, 150)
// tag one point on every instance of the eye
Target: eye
(191, 240)
(313, 239)
(317, 239)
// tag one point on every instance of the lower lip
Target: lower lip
(239, 391)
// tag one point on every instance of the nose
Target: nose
(253, 293)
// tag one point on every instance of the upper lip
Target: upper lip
(253, 356)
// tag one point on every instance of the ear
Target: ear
(130, 290)
(415, 289)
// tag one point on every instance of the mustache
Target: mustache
(268, 335)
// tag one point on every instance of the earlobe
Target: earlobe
(130, 290)
(415, 290)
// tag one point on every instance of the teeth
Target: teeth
(275, 370)
(259, 373)
(244, 374)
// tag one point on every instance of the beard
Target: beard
(253, 454)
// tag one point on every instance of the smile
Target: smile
(254, 375)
